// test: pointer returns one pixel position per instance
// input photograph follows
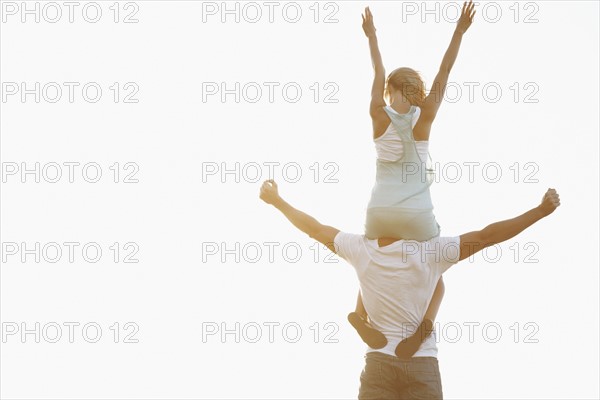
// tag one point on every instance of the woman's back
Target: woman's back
(400, 204)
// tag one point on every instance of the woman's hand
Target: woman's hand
(368, 25)
(466, 17)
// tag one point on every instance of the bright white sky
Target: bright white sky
(539, 109)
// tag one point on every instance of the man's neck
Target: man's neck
(382, 242)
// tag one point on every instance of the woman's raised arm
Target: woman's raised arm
(377, 101)
(433, 101)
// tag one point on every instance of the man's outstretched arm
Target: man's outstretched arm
(307, 224)
(472, 242)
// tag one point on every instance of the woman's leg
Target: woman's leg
(369, 335)
(360, 307)
(409, 346)
(436, 301)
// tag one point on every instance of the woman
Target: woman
(400, 205)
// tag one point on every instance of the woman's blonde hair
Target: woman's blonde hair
(409, 83)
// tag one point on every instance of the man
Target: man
(397, 279)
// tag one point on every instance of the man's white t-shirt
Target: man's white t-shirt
(397, 282)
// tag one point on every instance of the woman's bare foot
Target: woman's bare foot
(409, 346)
(369, 335)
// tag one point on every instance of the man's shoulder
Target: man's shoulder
(348, 245)
(348, 238)
(341, 235)
(442, 249)
(443, 239)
